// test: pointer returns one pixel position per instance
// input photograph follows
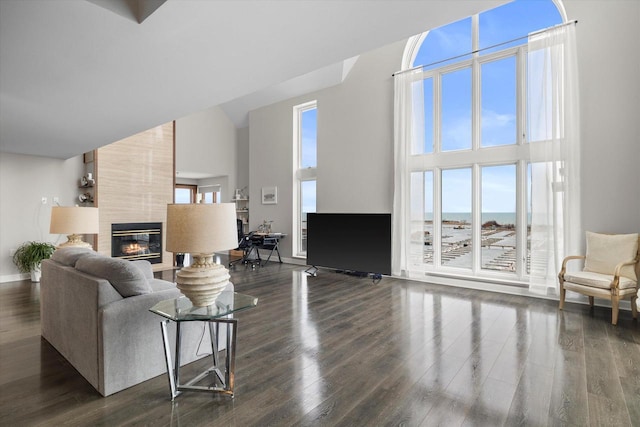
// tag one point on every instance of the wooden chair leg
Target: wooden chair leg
(591, 301)
(614, 313)
(562, 295)
(634, 307)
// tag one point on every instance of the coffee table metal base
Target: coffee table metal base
(224, 375)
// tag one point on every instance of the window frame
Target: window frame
(477, 157)
(193, 189)
(300, 175)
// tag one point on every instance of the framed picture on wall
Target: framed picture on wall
(269, 195)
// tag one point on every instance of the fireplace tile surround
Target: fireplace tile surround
(134, 184)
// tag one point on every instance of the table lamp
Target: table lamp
(74, 221)
(201, 230)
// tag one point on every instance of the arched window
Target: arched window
(469, 185)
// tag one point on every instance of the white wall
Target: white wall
(608, 37)
(242, 158)
(355, 136)
(355, 145)
(206, 145)
(355, 129)
(24, 180)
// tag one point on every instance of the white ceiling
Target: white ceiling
(77, 75)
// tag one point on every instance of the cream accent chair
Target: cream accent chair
(609, 271)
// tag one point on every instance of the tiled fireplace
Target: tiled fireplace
(134, 241)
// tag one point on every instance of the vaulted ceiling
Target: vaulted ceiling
(76, 75)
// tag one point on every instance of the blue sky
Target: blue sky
(498, 97)
(309, 157)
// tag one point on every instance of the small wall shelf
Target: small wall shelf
(87, 182)
(242, 212)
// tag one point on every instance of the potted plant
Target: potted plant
(29, 256)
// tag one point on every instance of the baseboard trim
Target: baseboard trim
(14, 277)
(487, 285)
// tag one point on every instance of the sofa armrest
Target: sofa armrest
(129, 341)
(69, 302)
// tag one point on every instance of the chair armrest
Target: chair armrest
(616, 272)
(565, 261)
(622, 264)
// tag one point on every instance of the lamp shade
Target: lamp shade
(74, 220)
(201, 228)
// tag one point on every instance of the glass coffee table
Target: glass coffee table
(180, 310)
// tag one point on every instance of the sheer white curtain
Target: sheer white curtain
(554, 137)
(408, 134)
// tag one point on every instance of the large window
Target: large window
(305, 138)
(470, 179)
(209, 194)
(185, 193)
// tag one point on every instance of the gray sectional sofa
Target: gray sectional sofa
(95, 312)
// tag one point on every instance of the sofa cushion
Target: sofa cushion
(606, 251)
(123, 275)
(145, 267)
(69, 256)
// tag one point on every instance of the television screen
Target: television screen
(355, 242)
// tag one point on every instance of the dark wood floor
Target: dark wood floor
(339, 350)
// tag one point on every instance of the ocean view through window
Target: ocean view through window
(469, 170)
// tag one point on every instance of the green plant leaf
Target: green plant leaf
(30, 254)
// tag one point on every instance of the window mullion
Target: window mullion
(475, 106)
(476, 219)
(437, 107)
(521, 95)
(476, 238)
(521, 218)
(436, 240)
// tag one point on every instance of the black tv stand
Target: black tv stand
(353, 273)
(312, 271)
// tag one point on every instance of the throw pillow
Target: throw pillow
(606, 251)
(69, 256)
(123, 275)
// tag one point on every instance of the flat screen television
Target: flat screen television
(356, 242)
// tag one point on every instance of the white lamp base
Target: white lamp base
(203, 280)
(75, 241)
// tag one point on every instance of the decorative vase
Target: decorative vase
(36, 273)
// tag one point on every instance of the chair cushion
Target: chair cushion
(597, 280)
(70, 255)
(123, 275)
(606, 251)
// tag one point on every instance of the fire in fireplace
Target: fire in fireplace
(141, 240)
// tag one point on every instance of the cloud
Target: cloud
(495, 120)
(456, 133)
(498, 129)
